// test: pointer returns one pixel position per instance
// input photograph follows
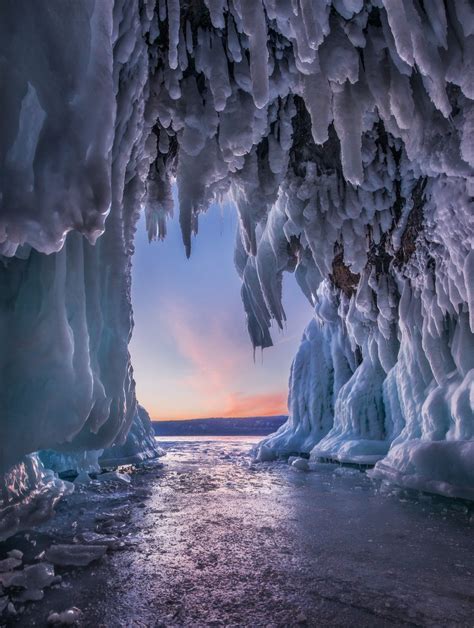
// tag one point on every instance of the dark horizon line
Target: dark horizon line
(219, 418)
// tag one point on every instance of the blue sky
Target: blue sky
(190, 350)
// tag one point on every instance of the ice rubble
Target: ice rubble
(342, 130)
(69, 617)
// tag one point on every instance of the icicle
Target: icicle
(233, 43)
(401, 98)
(255, 27)
(189, 38)
(173, 32)
(216, 10)
(400, 27)
(318, 99)
(348, 124)
(313, 15)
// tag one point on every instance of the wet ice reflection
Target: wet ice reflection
(219, 540)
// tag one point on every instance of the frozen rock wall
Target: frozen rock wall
(342, 130)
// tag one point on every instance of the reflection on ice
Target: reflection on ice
(213, 537)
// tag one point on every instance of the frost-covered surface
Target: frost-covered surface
(343, 131)
(29, 494)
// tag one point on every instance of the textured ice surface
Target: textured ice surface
(342, 131)
(29, 494)
(247, 542)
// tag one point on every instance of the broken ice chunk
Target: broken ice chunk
(114, 476)
(15, 553)
(8, 564)
(31, 577)
(75, 555)
(93, 538)
(29, 595)
(67, 618)
(300, 464)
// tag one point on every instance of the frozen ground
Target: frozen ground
(213, 540)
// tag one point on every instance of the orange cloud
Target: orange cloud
(238, 405)
(268, 404)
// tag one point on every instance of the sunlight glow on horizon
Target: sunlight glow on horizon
(240, 407)
(190, 349)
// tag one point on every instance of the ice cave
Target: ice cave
(343, 132)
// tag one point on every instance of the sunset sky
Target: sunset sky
(190, 349)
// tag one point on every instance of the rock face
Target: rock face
(342, 130)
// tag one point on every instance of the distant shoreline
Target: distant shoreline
(245, 426)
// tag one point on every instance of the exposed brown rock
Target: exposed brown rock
(342, 277)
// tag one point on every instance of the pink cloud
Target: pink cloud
(238, 405)
(206, 347)
(216, 360)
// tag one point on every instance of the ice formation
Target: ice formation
(343, 131)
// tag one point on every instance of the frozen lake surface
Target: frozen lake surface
(219, 541)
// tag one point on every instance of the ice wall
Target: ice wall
(139, 446)
(343, 131)
(74, 157)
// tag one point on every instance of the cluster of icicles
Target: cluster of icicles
(342, 130)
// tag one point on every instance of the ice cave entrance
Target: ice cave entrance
(190, 347)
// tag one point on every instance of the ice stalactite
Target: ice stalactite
(341, 129)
